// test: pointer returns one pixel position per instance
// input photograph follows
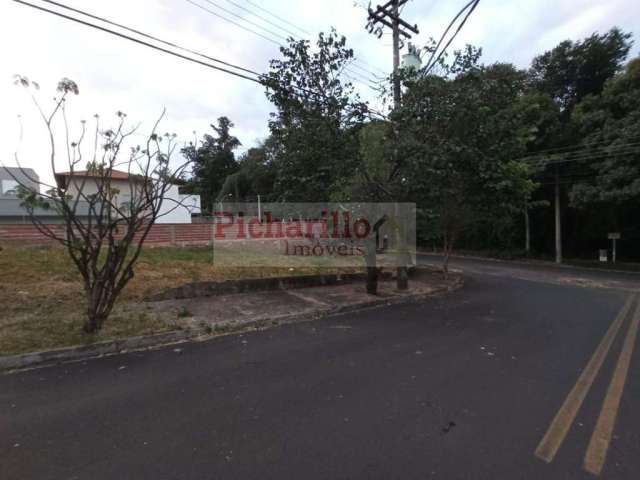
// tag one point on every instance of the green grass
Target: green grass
(43, 301)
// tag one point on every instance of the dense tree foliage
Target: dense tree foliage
(213, 160)
(460, 135)
(255, 177)
(316, 112)
(573, 70)
(575, 75)
(609, 128)
(478, 147)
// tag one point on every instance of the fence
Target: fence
(160, 234)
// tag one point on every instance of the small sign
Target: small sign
(614, 236)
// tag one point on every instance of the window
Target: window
(9, 187)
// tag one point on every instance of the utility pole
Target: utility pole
(388, 15)
(558, 217)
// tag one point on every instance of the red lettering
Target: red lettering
(221, 226)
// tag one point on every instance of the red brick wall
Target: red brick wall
(160, 234)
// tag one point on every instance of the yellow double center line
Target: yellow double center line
(599, 443)
(597, 450)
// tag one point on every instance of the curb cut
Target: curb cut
(13, 363)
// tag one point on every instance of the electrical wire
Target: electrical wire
(279, 18)
(233, 22)
(471, 6)
(582, 146)
(294, 36)
(141, 42)
(578, 155)
(260, 80)
(586, 158)
(261, 18)
(359, 78)
(151, 37)
(240, 17)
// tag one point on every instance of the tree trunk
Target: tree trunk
(402, 278)
(372, 280)
(372, 268)
(445, 252)
(99, 305)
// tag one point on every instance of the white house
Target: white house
(175, 208)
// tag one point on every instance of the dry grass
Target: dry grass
(42, 302)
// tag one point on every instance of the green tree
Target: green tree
(609, 125)
(102, 234)
(460, 133)
(312, 128)
(256, 176)
(572, 70)
(568, 73)
(371, 178)
(213, 161)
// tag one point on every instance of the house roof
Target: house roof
(115, 174)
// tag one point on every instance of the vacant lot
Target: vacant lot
(43, 302)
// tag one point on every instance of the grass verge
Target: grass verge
(43, 302)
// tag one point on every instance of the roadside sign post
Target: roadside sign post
(613, 237)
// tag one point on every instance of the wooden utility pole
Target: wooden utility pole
(558, 217)
(388, 15)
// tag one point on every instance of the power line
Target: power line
(216, 5)
(293, 35)
(359, 78)
(589, 157)
(279, 18)
(355, 65)
(151, 37)
(471, 6)
(259, 80)
(233, 22)
(582, 146)
(261, 18)
(141, 42)
(240, 17)
(577, 155)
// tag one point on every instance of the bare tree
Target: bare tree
(102, 235)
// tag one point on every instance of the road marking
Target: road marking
(599, 443)
(552, 440)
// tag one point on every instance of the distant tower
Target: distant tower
(411, 59)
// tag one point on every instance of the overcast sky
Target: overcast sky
(115, 74)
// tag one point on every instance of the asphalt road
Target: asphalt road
(464, 386)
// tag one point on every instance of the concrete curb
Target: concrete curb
(46, 358)
(226, 287)
(534, 262)
(80, 352)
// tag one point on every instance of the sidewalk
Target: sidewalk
(203, 317)
(233, 311)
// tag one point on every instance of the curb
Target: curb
(535, 262)
(81, 352)
(211, 288)
(12, 363)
